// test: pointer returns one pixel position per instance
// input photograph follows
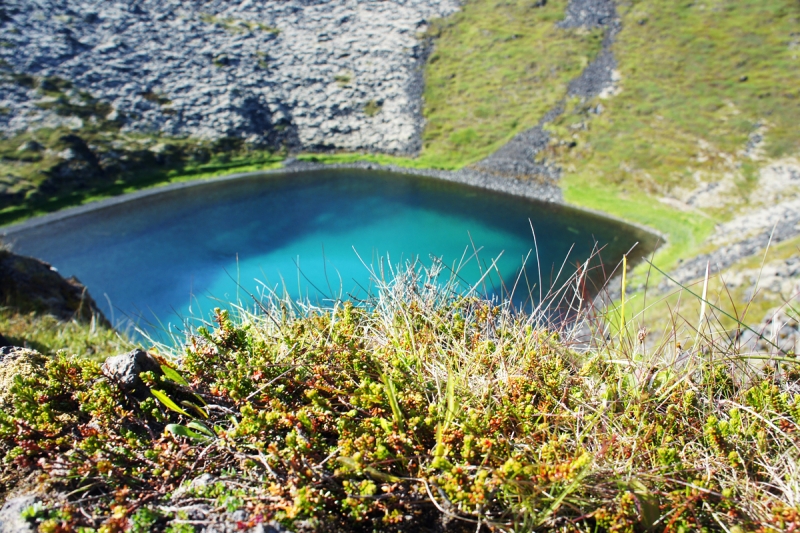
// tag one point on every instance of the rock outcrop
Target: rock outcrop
(778, 332)
(318, 73)
(11, 520)
(30, 285)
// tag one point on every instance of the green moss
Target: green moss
(372, 108)
(343, 79)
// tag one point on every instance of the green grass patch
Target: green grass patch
(685, 231)
(48, 335)
(495, 70)
(380, 159)
(708, 71)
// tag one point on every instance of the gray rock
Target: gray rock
(742, 237)
(17, 362)
(202, 480)
(30, 285)
(778, 332)
(271, 527)
(29, 146)
(124, 369)
(240, 515)
(589, 14)
(11, 520)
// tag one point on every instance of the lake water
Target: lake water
(178, 254)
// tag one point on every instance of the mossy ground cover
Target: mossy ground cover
(420, 411)
(48, 335)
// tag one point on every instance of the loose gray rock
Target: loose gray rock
(229, 525)
(202, 480)
(124, 369)
(742, 237)
(294, 72)
(16, 362)
(589, 14)
(779, 329)
(11, 520)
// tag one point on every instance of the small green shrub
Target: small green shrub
(343, 79)
(372, 108)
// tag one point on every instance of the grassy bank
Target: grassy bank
(698, 81)
(422, 411)
(107, 163)
(495, 70)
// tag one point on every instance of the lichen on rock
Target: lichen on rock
(16, 362)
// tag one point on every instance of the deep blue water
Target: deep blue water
(178, 254)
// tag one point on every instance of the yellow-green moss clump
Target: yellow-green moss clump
(420, 412)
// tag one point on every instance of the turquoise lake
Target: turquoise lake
(158, 260)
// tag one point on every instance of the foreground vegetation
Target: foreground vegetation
(423, 410)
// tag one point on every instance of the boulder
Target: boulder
(124, 369)
(30, 146)
(11, 520)
(30, 285)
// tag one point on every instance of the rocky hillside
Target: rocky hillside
(310, 74)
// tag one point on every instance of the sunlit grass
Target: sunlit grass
(708, 71)
(424, 405)
(49, 335)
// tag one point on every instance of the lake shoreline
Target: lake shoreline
(545, 192)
